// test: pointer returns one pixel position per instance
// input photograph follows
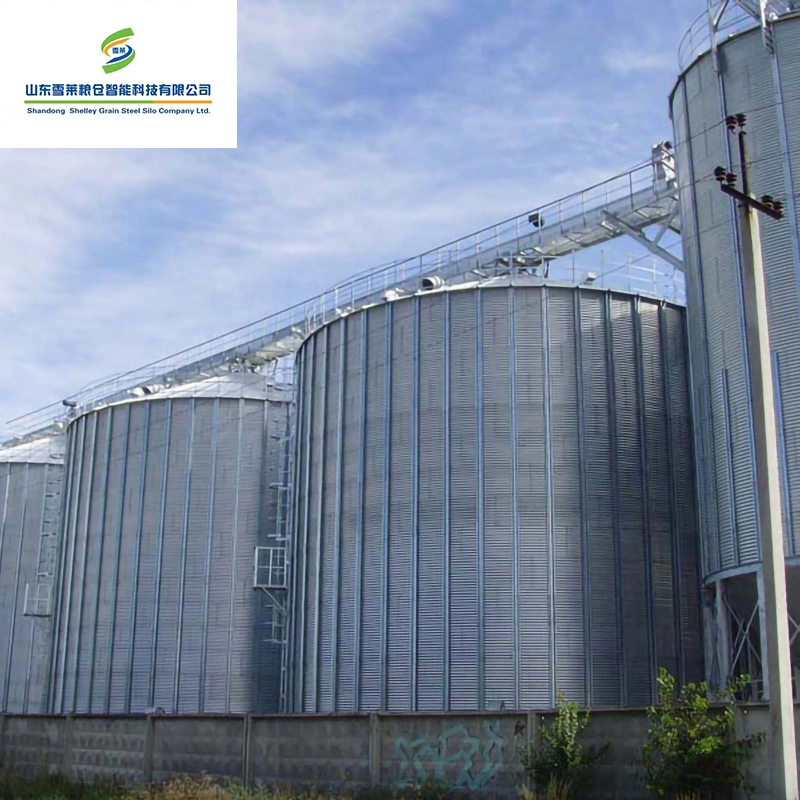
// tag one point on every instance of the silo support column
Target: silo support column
(722, 638)
(777, 667)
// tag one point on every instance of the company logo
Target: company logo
(121, 53)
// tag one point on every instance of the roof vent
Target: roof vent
(431, 282)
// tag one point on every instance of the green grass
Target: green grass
(56, 787)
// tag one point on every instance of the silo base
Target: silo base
(735, 639)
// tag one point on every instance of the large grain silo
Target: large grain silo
(167, 501)
(750, 66)
(31, 474)
(494, 502)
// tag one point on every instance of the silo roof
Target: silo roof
(49, 450)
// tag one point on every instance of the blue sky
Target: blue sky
(367, 132)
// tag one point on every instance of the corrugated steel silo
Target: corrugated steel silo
(756, 71)
(31, 474)
(494, 502)
(166, 503)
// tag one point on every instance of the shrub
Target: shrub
(560, 766)
(692, 752)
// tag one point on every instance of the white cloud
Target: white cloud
(109, 259)
(625, 60)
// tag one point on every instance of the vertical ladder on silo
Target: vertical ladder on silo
(270, 575)
(39, 593)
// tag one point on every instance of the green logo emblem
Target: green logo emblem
(118, 50)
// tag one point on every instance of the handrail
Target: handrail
(731, 20)
(560, 217)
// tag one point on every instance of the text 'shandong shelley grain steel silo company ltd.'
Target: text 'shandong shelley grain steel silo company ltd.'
(755, 72)
(494, 502)
(167, 499)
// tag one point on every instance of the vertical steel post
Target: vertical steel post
(446, 509)
(3, 529)
(102, 535)
(234, 554)
(184, 546)
(674, 526)
(137, 559)
(512, 361)
(583, 489)
(645, 477)
(359, 568)
(549, 511)
(337, 534)
(310, 352)
(210, 533)
(414, 582)
(86, 520)
(615, 500)
(387, 462)
(123, 476)
(71, 570)
(320, 500)
(58, 580)
(160, 556)
(12, 626)
(480, 499)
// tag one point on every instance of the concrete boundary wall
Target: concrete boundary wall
(476, 753)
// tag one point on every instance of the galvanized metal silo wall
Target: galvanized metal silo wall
(747, 77)
(30, 503)
(166, 502)
(494, 503)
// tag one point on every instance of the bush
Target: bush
(692, 752)
(560, 766)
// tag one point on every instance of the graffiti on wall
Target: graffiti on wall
(456, 757)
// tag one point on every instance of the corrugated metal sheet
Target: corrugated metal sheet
(766, 87)
(167, 500)
(515, 519)
(30, 508)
